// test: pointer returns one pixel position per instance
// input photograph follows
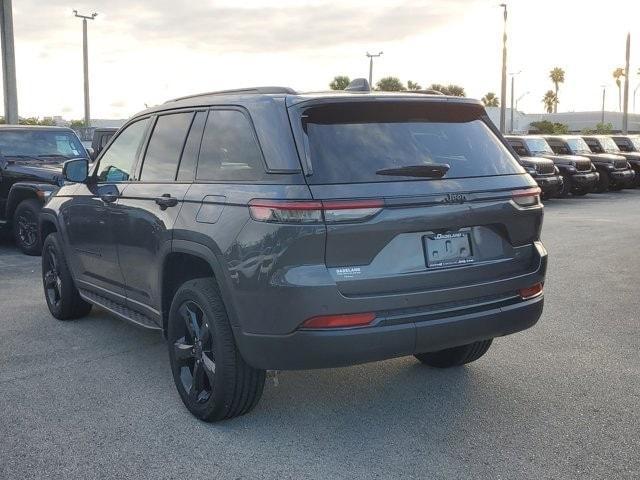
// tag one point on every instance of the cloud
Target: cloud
(224, 29)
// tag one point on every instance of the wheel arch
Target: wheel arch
(186, 261)
(18, 193)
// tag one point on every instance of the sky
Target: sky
(143, 52)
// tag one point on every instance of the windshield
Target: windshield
(366, 142)
(41, 144)
(578, 145)
(608, 145)
(538, 145)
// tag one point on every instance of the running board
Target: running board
(125, 313)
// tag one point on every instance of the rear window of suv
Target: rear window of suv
(350, 142)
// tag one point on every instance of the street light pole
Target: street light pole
(513, 76)
(85, 56)
(8, 64)
(371, 57)
(503, 89)
(625, 114)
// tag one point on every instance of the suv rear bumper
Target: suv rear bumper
(307, 349)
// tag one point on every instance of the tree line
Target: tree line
(394, 84)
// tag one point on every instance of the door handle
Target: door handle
(165, 201)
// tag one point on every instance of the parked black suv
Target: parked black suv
(614, 170)
(606, 144)
(30, 171)
(579, 176)
(100, 139)
(265, 229)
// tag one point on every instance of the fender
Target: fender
(205, 253)
(21, 190)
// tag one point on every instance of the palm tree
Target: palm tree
(339, 82)
(413, 85)
(550, 101)
(557, 77)
(453, 90)
(617, 74)
(490, 100)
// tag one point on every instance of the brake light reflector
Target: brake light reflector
(530, 292)
(527, 197)
(340, 321)
(314, 211)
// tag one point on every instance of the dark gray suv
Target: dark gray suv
(264, 229)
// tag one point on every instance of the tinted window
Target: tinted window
(163, 153)
(45, 144)
(538, 145)
(229, 149)
(351, 142)
(189, 159)
(519, 148)
(117, 163)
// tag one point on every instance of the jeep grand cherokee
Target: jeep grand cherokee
(265, 229)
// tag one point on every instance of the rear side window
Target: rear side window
(354, 142)
(165, 146)
(117, 162)
(229, 149)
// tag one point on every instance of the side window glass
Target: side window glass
(189, 159)
(117, 163)
(163, 153)
(519, 148)
(229, 149)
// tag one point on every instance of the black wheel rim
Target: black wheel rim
(52, 281)
(27, 228)
(193, 352)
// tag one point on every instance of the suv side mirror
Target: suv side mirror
(76, 170)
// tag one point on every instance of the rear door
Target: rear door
(415, 229)
(149, 206)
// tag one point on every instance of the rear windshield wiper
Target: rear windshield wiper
(432, 170)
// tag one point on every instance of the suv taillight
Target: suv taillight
(527, 198)
(314, 211)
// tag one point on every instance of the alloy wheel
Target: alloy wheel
(52, 281)
(193, 352)
(27, 229)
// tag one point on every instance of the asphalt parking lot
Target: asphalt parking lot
(94, 398)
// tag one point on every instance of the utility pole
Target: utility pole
(625, 114)
(85, 57)
(371, 57)
(8, 64)
(513, 76)
(503, 89)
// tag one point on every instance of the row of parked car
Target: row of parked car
(572, 164)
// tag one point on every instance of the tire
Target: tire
(456, 356)
(25, 226)
(212, 378)
(567, 185)
(60, 292)
(603, 183)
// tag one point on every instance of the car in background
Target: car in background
(101, 137)
(265, 229)
(607, 144)
(614, 170)
(578, 174)
(627, 143)
(31, 159)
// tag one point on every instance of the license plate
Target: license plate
(447, 249)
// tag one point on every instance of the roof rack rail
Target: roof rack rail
(428, 91)
(247, 91)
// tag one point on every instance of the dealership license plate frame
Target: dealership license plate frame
(437, 243)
